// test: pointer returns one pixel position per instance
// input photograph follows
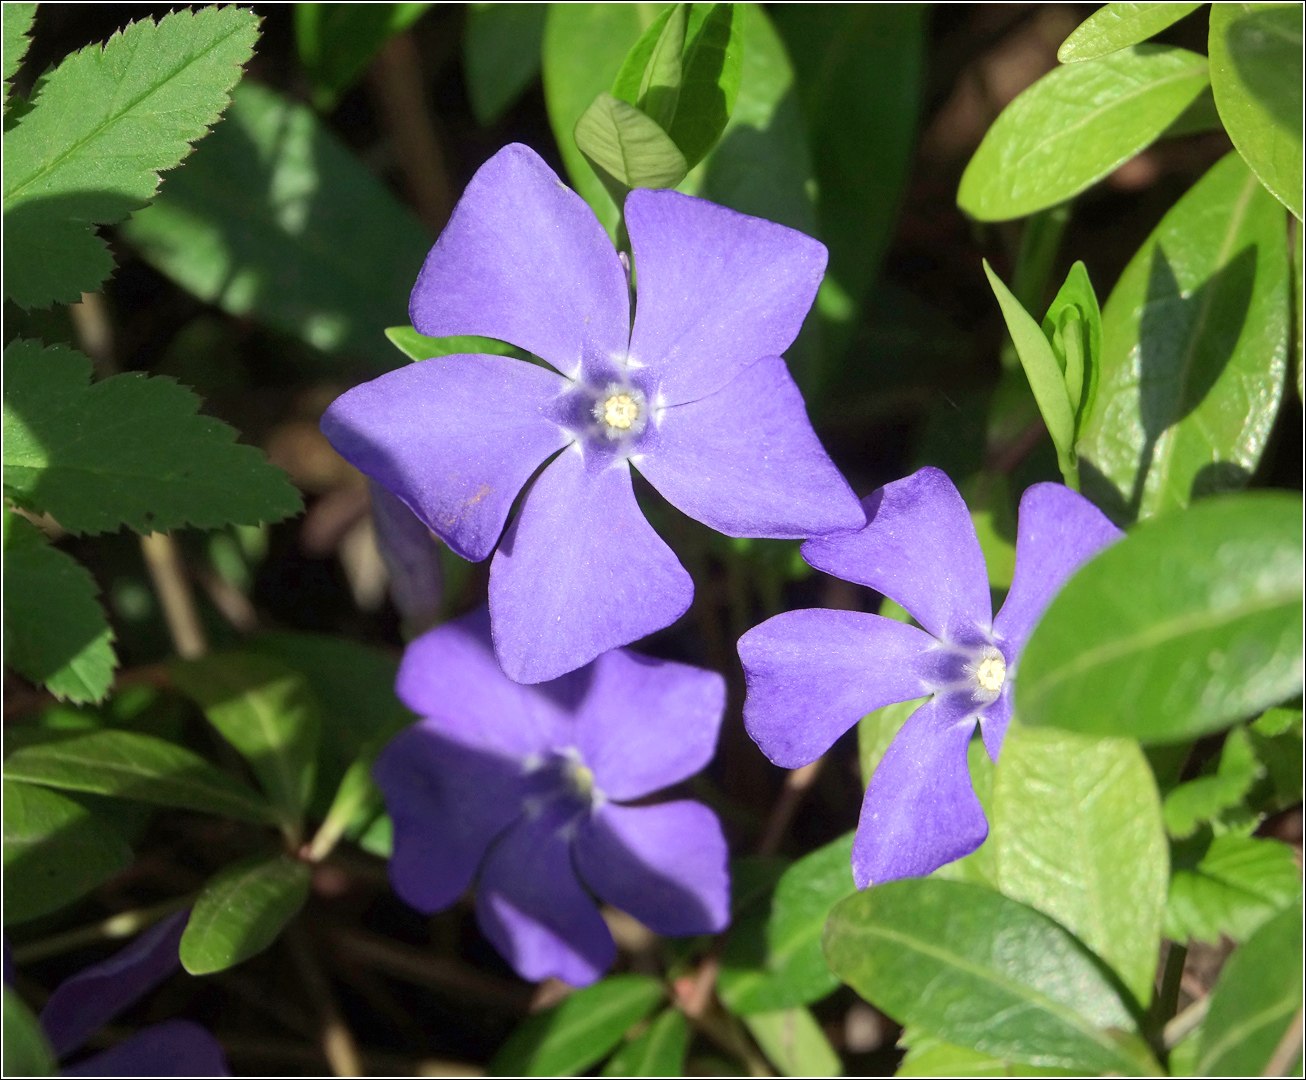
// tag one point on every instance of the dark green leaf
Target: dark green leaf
(26, 1050)
(659, 1051)
(1191, 622)
(66, 451)
(337, 41)
(1194, 351)
(129, 765)
(241, 912)
(55, 851)
(1256, 76)
(275, 219)
(1076, 825)
(107, 121)
(54, 629)
(928, 1056)
(713, 67)
(1075, 126)
(794, 1042)
(1073, 324)
(570, 1037)
(501, 55)
(17, 23)
(627, 148)
(1238, 883)
(983, 972)
(417, 346)
(1197, 801)
(1254, 1001)
(1117, 26)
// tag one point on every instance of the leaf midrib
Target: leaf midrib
(1240, 1031)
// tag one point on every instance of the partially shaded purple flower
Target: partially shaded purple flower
(520, 788)
(812, 674)
(410, 556)
(694, 395)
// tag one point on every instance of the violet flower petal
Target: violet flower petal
(1058, 530)
(995, 720)
(173, 1048)
(813, 673)
(918, 548)
(745, 461)
(717, 290)
(531, 906)
(525, 260)
(920, 810)
(85, 1002)
(645, 724)
(448, 802)
(455, 438)
(665, 864)
(579, 572)
(410, 555)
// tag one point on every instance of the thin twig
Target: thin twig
(168, 573)
(796, 785)
(338, 1044)
(1182, 1025)
(95, 332)
(123, 925)
(1287, 1050)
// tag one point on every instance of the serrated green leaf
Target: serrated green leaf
(1256, 76)
(67, 451)
(108, 121)
(1191, 622)
(1075, 126)
(17, 24)
(417, 346)
(265, 709)
(241, 911)
(570, 1037)
(929, 1056)
(1236, 884)
(1117, 26)
(337, 41)
(713, 68)
(627, 148)
(1076, 825)
(983, 972)
(1258, 993)
(55, 633)
(1197, 801)
(1073, 322)
(659, 1051)
(130, 765)
(26, 1049)
(794, 1042)
(1194, 351)
(1277, 738)
(501, 55)
(55, 851)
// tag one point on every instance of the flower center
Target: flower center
(579, 779)
(620, 411)
(991, 673)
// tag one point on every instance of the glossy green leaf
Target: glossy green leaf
(1258, 994)
(929, 1056)
(1076, 825)
(241, 911)
(26, 1049)
(501, 55)
(983, 972)
(275, 219)
(580, 1030)
(1199, 800)
(1073, 324)
(1191, 622)
(17, 25)
(265, 709)
(129, 765)
(1075, 126)
(794, 1042)
(1117, 26)
(1256, 76)
(55, 851)
(65, 451)
(627, 148)
(417, 346)
(55, 633)
(1194, 351)
(659, 1051)
(1236, 885)
(90, 150)
(337, 42)
(713, 69)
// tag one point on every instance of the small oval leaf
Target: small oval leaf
(241, 911)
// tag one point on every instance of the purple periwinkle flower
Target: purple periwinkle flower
(694, 395)
(812, 674)
(520, 788)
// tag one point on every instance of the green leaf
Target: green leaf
(793, 971)
(928, 1056)
(1197, 801)
(983, 972)
(580, 1030)
(1194, 351)
(90, 151)
(129, 450)
(1236, 885)
(417, 346)
(275, 219)
(501, 55)
(1076, 825)
(26, 1050)
(794, 1043)
(1191, 622)
(1117, 26)
(876, 730)
(129, 765)
(1075, 126)
(1073, 324)
(659, 83)
(17, 25)
(54, 629)
(712, 70)
(659, 1051)
(1277, 737)
(55, 851)
(631, 76)
(337, 42)
(1256, 76)
(626, 148)
(241, 912)
(1258, 993)
(265, 709)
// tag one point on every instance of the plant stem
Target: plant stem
(338, 1044)
(796, 785)
(168, 573)
(123, 925)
